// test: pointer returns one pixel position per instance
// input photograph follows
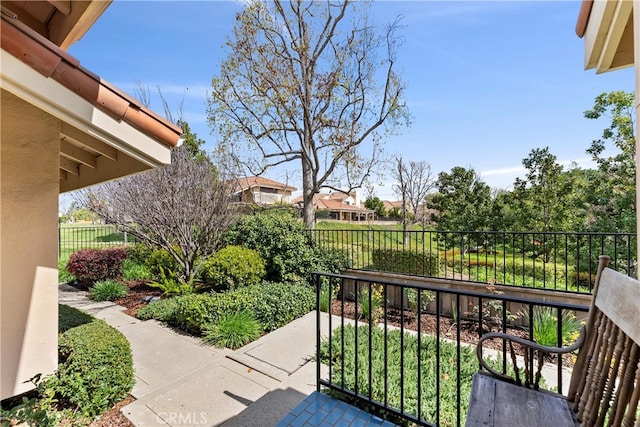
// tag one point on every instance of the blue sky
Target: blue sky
(486, 81)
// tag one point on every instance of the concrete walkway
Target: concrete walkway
(182, 382)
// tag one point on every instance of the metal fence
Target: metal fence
(425, 378)
(72, 238)
(558, 261)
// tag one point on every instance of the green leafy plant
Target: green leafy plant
(233, 330)
(95, 368)
(64, 276)
(160, 262)
(545, 326)
(273, 304)
(370, 303)
(108, 290)
(232, 267)
(425, 299)
(327, 294)
(162, 310)
(170, 284)
(133, 270)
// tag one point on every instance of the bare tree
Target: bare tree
(182, 208)
(414, 180)
(308, 82)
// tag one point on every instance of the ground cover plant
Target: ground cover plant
(344, 370)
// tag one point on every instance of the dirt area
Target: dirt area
(134, 300)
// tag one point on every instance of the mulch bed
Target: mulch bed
(134, 300)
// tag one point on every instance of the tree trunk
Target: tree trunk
(308, 191)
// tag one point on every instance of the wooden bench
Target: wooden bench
(605, 383)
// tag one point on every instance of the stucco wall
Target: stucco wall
(29, 182)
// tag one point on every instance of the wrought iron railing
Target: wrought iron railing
(371, 354)
(72, 238)
(558, 261)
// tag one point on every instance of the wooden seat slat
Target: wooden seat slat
(605, 383)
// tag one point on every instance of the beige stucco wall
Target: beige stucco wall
(29, 181)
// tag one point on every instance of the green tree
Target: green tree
(308, 82)
(612, 194)
(542, 194)
(377, 205)
(463, 201)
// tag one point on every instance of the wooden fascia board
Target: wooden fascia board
(599, 23)
(617, 26)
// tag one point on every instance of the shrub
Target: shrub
(108, 290)
(406, 262)
(370, 301)
(425, 299)
(161, 260)
(134, 270)
(273, 304)
(138, 253)
(330, 260)
(162, 310)
(69, 317)
(64, 276)
(95, 368)
(92, 265)
(282, 241)
(234, 266)
(583, 279)
(233, 330)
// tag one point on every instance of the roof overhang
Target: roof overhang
(607, 29)
(104, 134)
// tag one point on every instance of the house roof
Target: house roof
(51, 61)
(104, 133)
(259, 181)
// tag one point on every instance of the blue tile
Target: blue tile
(298, 409)
(349, 414)
(334, 416)
(388, 424)
(358, 422)
(317, 418)
(301, 419)
(286, 420)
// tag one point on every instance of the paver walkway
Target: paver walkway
(181, 382)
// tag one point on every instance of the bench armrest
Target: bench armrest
(528, 344)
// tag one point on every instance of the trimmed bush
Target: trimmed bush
(406, 262)
(282, 241)
(108, 290)
(138, 253)
(273, 304)
(161, 260)
(92, 265)
(69, 317)
(233, 330)
(162, 310)
(95, 368)
(232, 267)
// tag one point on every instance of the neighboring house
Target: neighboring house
(261, 191)
(62, 128)
(339, 206)
(611, 33)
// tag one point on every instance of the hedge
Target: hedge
(406, 262)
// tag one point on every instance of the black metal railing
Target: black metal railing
(72, 238)
(559, 261)
(371, 354)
